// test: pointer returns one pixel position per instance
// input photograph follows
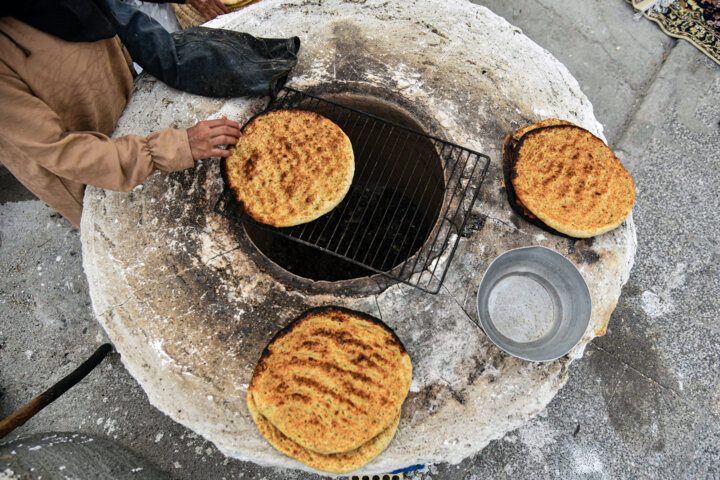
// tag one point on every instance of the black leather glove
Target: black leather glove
(205, 61)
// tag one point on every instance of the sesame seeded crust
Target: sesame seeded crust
(571, 181)
(332, 380)
(335, 462)
(290, 167)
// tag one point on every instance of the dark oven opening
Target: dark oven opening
(405, 203)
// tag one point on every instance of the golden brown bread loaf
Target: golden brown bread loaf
(332, 380)
(571, 181)
(290, 167)
(548, 122)
(335, 462)
(508, 148)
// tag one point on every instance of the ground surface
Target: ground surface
(644, 402)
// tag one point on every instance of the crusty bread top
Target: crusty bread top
(571, 181)
(334, 462)
(290, 167)
(332, 380)
(548, 122)
(509, 145)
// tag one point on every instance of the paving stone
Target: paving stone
(704, 460)
(673, 350)
(665, 324)
(72, 455)
(562, 441)
(608, 422)
(656, 426)
(613, 57)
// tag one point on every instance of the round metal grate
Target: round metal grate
(408, 203)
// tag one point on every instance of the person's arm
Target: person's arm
(96, 159)
(208, 8)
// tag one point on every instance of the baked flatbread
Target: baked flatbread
(335, 462)
(571, 181)
(233, 5)
(332, 380)
(548, 122)
(290, 167)
(508, 148)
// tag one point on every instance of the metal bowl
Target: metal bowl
(534, 304)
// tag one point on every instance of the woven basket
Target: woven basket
(188, 16)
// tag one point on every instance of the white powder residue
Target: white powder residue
(8, 474)
(405, 77)
(164, 357)
(654, 305)
(677, 277)
(537, 436)
(586, 462)
(110, 426)
(659, 304)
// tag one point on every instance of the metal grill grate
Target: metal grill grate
(408, 202)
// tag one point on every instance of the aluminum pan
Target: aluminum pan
(534, 304)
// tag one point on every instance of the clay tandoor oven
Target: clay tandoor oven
(190, 297)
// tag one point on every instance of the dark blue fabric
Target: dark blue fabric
(205, 61)
(71, 20)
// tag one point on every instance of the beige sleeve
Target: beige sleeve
(86, 157)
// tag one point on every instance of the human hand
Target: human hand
(209, 8)
(207, 135)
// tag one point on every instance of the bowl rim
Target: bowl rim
(488, 332)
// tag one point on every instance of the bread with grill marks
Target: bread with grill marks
(571, 181)
(511, 141)
(338, 463)
(290, 167)
(332, 380)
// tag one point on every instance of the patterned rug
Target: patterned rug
(697, 21)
